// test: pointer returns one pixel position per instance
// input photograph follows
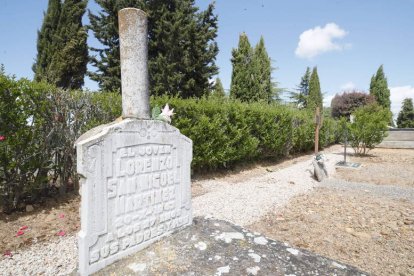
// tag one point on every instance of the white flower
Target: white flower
(166, 114)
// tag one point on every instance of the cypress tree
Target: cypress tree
(264, 90)
(315, 98)
(68, 66)
(181, 48)
(379, 88)
(406, 116)
(218, 90)
(45, 38)
(242, 78)
(300, 97)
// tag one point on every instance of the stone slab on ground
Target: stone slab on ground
(216, 247)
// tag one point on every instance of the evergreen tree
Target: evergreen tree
(300, 98)
(45, 38)
(315, 98)
(218, 90)
(264, 90)
(68, 66)
(105, 28)
(379, 88)
(181, 46)
(406, 116)
(242, 78)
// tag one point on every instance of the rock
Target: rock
(349, 230)
(408, 221)
(363, 235)
(29, 208)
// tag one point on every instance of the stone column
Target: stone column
(133, 40)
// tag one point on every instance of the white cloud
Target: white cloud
(349, 86)
(319, 40)
(398, 94)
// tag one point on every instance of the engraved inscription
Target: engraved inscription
(143, 198)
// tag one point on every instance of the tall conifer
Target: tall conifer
(315, 98)
(242, 77)
(263, 90)
(379, 88)
(68, 66)
(45, 38)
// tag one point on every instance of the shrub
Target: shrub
(40, 123)
(343, 105)
(369, 128)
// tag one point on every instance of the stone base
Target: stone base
(214, 247)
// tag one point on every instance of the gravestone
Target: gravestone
(134, 174)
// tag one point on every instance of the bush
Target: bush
(369, 128)
(40, 123)
(343, 105)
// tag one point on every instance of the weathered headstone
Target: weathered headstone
(135, 174)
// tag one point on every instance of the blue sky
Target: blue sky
(347, 40)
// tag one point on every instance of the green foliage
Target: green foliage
(251, 79)
(379, 88)
(406, 116)
(242, 82)
(181, 49)
(315, 98)
(68, 66)
(218, 90)
(39, 155)
(263, 73)
(62, 50)
(300, 98)
(369, 127)
(45, 37)
(344, 104)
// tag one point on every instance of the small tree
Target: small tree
(406, 116)
(369, 127)
(344, 104)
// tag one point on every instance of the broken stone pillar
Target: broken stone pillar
(134, 174)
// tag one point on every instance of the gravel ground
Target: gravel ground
(53, 258)
(246, 200)
(368, 228)
(380, 190)
(224, 198)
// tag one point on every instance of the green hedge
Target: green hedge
(40, 124)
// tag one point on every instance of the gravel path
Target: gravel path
(242, 202)
(247, 201)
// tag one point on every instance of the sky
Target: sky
(346, 39)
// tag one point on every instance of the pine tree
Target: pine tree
(315, 98)
(264, 90)
(218, 90)
(406, 116)
(379, 88)
(300, 98)
(242, 78)
(181, 48)
(45, 38)
(68, 66)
